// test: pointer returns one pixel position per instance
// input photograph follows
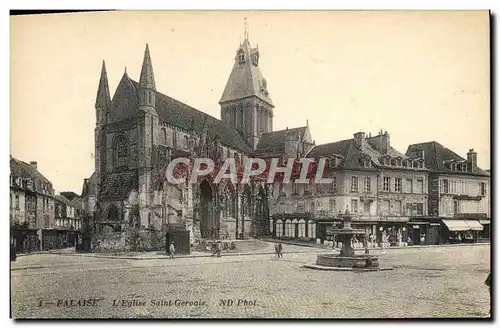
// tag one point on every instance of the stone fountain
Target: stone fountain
(347, 260)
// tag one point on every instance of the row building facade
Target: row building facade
(139, 131)
(35, 210)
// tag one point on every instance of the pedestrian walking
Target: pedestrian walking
(276, 250)
(172, 250)
(280, 250)
(219, 248)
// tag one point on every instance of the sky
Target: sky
(420, 76)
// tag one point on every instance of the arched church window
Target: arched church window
(120, 152)
(186, 142)
(163, 137)
(174, 139)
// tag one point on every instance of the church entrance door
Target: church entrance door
(209, 227)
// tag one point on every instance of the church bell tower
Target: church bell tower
(245, 103)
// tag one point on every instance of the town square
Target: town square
(244, 174)
(432, 282)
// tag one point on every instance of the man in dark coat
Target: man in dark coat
(12, 252)
(280, 250)
(487, 282)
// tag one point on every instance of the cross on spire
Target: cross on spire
(246, 29)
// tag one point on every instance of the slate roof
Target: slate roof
(345, 148)
(89, 185)
(63, 200)
(273, 143)
(435, 154)
(147, 79)
(351, 153)
(103, 99)
(333, 148)
(25, 170)
(69, 195)
(172, 111)
(77, 203)
(246, 79)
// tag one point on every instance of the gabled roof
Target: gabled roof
(333, 148)
(345, 148)
(63, 200)
(174, 112)
(351, 153)
(69, 195)
(273, 143)
(246, 79)
(24, 170)
(435, 154)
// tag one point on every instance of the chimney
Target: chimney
(359, 139)
(472, 160)
(34, 164)
(386, 142)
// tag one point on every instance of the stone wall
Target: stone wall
(109, 242)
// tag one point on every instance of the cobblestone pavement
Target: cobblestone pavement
(429, 282)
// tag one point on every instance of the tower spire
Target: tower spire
(103, 99)
(147, 79)
(246, 29)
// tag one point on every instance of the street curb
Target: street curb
(380, 248)
(314, 249)
(118, 257)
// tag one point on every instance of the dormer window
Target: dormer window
(398, 161)
(464, 167)
(453, 167)
(241, 57)
(333, 162)
(393, 162)
(421, 164)
(255, 59)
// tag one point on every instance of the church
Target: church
(139, 131)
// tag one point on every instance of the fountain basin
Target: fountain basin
(358, 261)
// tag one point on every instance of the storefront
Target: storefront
(423, 231)
(25, 240)
(485, 234)
(386, 229)
(461, 231)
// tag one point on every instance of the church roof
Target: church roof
(273, 143)
(172, 111)
(246, 79)
(435, 154)
(147, 79)
(103, 99)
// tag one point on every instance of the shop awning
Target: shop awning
(463, 225)
(474, 225)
